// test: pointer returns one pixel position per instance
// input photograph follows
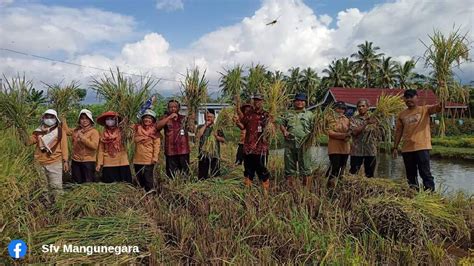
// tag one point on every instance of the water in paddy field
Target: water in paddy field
(450, 175)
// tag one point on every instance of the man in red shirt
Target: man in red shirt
(176, 140)
(255, 144)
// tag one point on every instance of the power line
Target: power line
(85, 66)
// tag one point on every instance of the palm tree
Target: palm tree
(405, 74)
(339, 74)
(293, 81)
(310, 83)
(255, 81)
(367, 60)
(277, 75)
(231, 82)
(387, 73)
(442, 55)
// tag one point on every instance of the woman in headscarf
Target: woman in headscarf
(51, 149)
(112, 157)
(85, 142)
(147, 147)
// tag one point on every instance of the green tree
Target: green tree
(339, 74)
(367, 59)
(294, 80)
(405, 74)
(231, 82)
(255, 81)
(387, 74)
(310, 84)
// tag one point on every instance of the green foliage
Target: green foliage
(66, 98)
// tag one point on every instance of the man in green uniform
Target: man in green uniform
(295, 126)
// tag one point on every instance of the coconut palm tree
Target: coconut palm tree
(442, 56)
(405, 74)
(367, 59)
(387, 74)
(294, 80)
(310, 84)
(339, 74)
(231, 82)
(255, 81)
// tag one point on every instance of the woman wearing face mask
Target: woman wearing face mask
(85, 142)
(147, 147)
(51, 149)
(112, 157)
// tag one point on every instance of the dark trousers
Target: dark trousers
(337, 164)
(83, 172)
(116, 174)
(255, 163)
(369, 165)
(145, 175)
(177, 163)
(239, 156)
(208, 167)
(418, 162)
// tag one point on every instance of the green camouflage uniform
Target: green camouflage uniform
(298, 124)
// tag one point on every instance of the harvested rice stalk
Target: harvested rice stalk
(223, 121)
(276, 101)
(319, 126)
(387, 107)
(194, 92)
(123, 95)
(64, 98)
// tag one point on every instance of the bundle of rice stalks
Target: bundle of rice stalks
(121, 230)
(322, 118)
(388, 106)
(123, 95)
(232, 83)
(223, 121)
(18, 103)
(97, 199)
(426, 217)
(276, 101)
(64, 98)
(194, 92)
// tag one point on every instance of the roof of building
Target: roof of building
(351, 95)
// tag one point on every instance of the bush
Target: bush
(454, 129)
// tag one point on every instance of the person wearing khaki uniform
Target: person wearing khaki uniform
(413, 126)
(147, 148)
(295, 126)
(338, 144)
(51, 150)
(85, 142)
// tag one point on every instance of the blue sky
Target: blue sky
(163, 38)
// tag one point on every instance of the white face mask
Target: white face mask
(49, 121)
(110, 122)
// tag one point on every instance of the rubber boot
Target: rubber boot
(247, 182)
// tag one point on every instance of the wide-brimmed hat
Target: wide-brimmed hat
(101, 119)
(88, 113)
(51, 112)
(149, 112)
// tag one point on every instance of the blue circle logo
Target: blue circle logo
(17, 249)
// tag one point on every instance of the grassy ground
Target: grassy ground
(362, 221)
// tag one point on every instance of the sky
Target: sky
(163, 38)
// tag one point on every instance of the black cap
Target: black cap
(340, 105)
(211, 111)
(409, 93)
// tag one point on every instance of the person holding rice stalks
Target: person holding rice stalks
(147, 147)
(256, 144)
(51, 150)
(112, 157)
(338, 144)
(295, 127)
(413, 126)
(209, 150)
(85, 142)
(177, 148)
(364, 143)
(239, 156)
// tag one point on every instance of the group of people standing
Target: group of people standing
(106, 152)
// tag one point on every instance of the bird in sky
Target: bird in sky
(273, 22)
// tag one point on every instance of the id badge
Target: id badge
(259, 129)
(181, 132)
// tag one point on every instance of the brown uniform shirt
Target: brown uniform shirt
(414, 127)
(339, 146)
(106, 160)
(146, 151)
(60, 152)
(84, 149)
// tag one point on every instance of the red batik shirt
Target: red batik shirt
(176, 137)
(254, 124)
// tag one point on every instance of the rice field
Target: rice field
(219, 221)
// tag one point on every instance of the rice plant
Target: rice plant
(64, 98)
(223, 121)
(276, 101)
(231, 83)
(194, 92)
(322, 117)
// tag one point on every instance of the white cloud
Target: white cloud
(169, 5)
(299, 38)
(6, 2)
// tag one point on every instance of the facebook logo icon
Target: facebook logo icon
(17, 249)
